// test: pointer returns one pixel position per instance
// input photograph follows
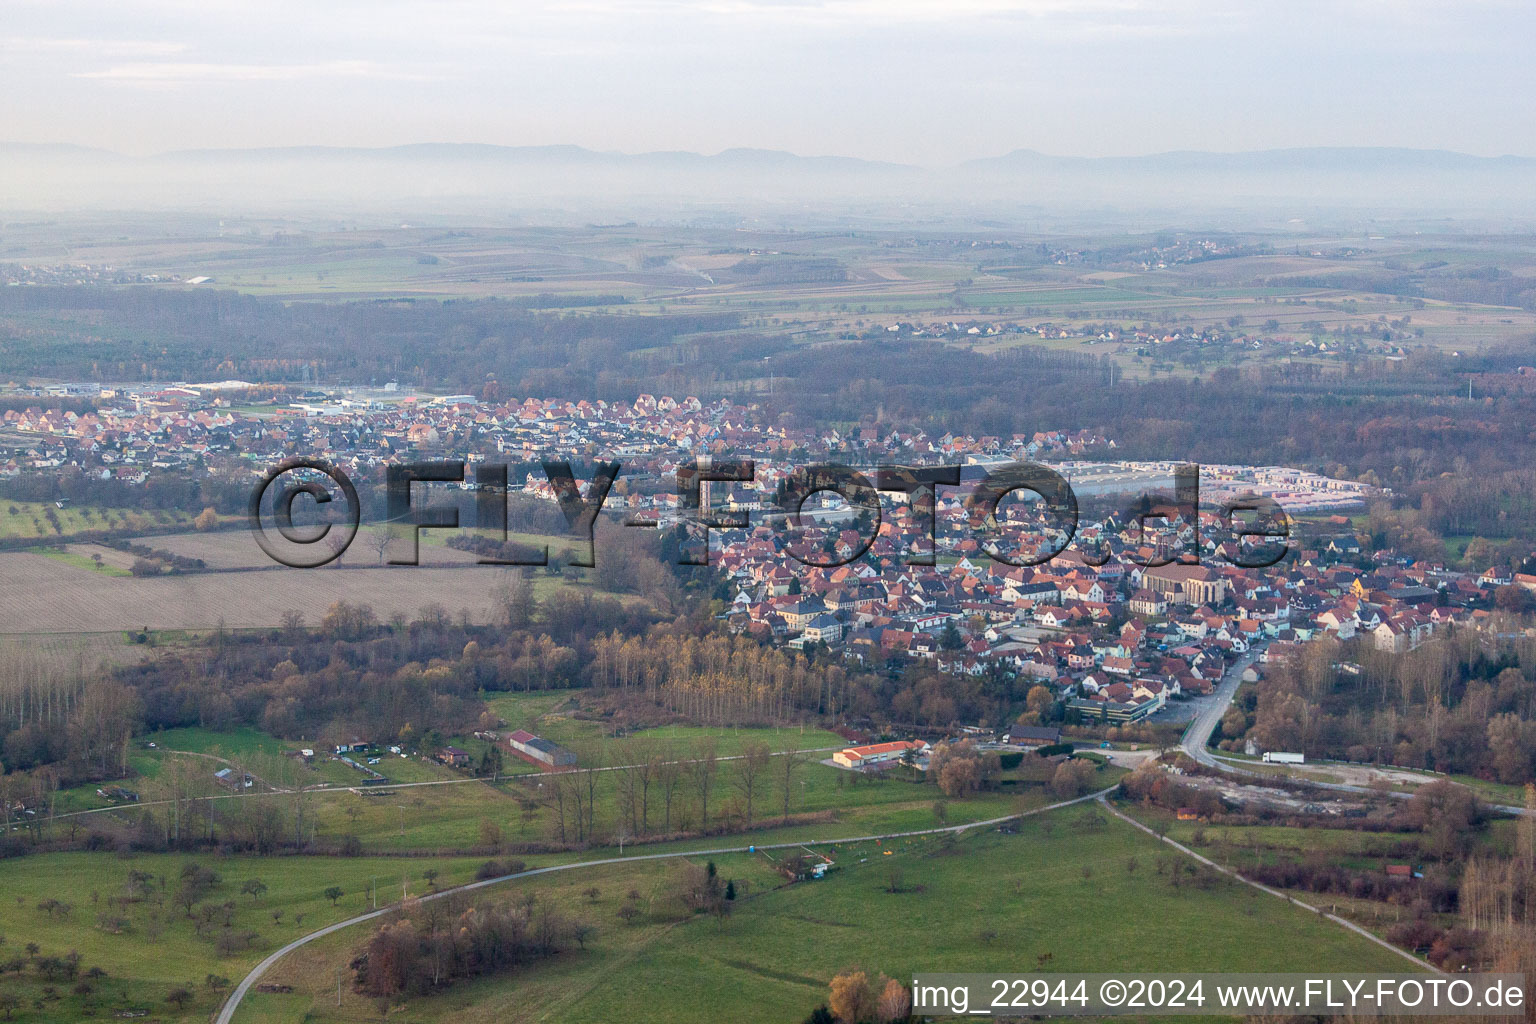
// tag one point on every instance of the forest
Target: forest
(425, 949)
(1461, 703)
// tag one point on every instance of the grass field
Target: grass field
(138, 979)
(1346, 843)
(204, 751)
(549, 713)
(525, 710)
(254, 750)
(81, 560)
(1089, 891)
(587, 737)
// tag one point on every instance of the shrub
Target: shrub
(1457, 950)
(497, 868)
(1418, 934)
(1072, 779)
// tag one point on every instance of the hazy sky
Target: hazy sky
(908, 80)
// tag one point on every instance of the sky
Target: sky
(912, 81)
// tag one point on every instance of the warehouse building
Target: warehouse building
(540, 751)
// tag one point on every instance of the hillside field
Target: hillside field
(1073, 886)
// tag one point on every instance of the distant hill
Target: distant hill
(55, 150)
(1320, 159)
(1400, 181)
(737, 159)
(1285, 183)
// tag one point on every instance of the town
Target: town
(1115, 628)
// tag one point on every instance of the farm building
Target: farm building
(230, 779)
(876, 753)
(1033, 735)
(539, 751)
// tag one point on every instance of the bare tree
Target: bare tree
(378, 540)
(589, 786)
(669, 775)
(293, 624)
(701, 771)
(790, 763)
(559, 792)
(750, 768)
(645, 769)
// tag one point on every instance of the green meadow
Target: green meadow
(146, 944)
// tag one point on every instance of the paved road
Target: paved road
(227, 1013)
(1131, 759)
(1198, 735)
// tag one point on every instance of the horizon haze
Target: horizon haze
(912, 81)
(1258, 188)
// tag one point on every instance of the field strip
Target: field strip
(275, 791)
